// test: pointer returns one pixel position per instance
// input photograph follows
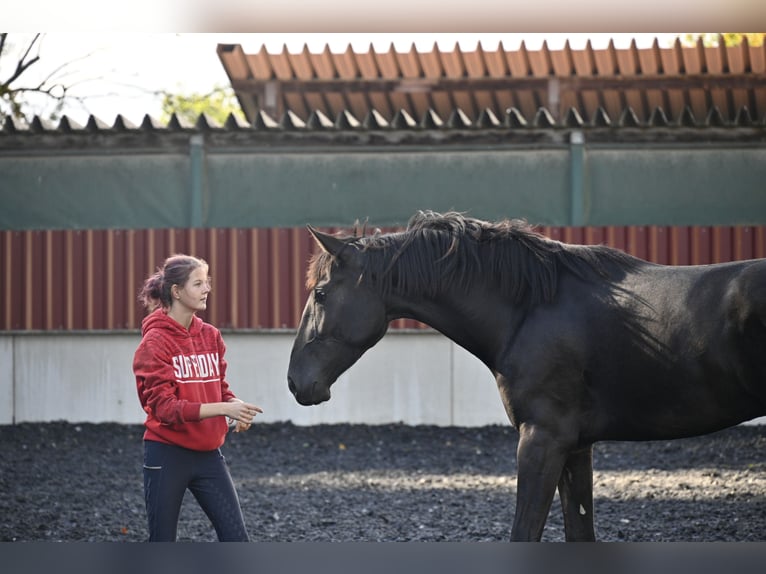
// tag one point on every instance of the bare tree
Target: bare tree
(19, 87)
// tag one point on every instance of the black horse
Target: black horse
(586, 343)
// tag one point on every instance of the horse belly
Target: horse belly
(705, 386)
(673, 406)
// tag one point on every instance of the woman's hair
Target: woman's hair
(174, 271)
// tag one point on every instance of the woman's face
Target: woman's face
(193, 295)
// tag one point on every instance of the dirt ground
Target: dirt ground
(83, 482)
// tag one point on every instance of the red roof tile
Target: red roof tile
(670, 78)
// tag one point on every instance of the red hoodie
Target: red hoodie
(176, 371)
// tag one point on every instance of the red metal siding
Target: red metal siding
(89, 280)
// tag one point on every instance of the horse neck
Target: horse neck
(472, 320)
(475, 317)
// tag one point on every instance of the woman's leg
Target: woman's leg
(214, 489)
(165, 480)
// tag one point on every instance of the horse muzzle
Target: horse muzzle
(310, 394)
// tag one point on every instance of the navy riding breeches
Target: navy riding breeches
(169, 470)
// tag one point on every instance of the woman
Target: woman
(181, 381)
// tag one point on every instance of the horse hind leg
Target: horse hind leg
(576, 493)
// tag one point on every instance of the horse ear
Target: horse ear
(328, 243)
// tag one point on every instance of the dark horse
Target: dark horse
(586, 343)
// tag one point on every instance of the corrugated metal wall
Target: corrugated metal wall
(88, 280)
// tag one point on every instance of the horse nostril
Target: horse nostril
(291, 384)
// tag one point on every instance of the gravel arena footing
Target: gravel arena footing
(83, 482)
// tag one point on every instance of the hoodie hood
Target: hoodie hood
(159, 319)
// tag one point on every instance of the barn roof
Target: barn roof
(632, 85)
(295, 96)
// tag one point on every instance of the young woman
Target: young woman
(181, 381)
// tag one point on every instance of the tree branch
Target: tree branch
(23, 65)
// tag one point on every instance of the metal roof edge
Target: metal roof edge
(317, 121)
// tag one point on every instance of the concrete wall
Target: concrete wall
(88, 378)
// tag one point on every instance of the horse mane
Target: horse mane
(436, 248)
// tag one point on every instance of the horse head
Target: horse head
(343, 317)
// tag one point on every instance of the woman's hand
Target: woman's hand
(241, 412)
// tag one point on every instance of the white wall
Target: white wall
(409, 377)
(6, 380)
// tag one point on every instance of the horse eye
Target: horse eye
(319, 295)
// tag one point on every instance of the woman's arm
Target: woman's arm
(235, 409)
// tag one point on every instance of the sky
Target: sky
(120, 73)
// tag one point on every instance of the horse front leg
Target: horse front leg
(576, 493)
(540, 462)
